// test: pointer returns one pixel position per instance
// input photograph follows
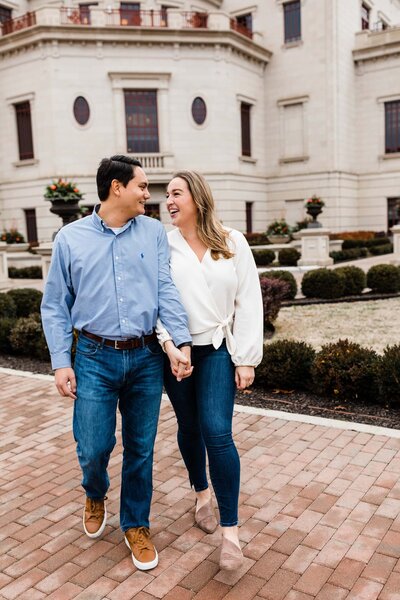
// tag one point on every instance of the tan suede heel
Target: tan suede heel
(231, 557)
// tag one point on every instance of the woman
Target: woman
(214, 271)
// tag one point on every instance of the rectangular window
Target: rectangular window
(31, 225)
(243, 24)
(153, 210)
(130, 13)
(24, 129)
(245, 128)
(292, 21)
(365, 15)
(84, 12)
(141, 121)
(392, 127)
(249, 217)
(5, 14)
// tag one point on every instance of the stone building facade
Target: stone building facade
(273, 100)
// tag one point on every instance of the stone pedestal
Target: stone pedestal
(315, 248)
(4, 281)
(396, 244)
(45, 250)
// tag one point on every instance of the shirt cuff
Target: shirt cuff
(61, 360)
(185, 344)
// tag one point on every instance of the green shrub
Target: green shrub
(383, 249)
(27, 301)
(263, 257)
(283, 276)
(352, 254)
(6, 325)
(389, 376)
(288, 257)
(25, 273)
(366, 243)
(346, 371)
(255, 239)
(322, 283)
(8, 308)
(286, 365)
(27, 337)
(354, 280)
(384, 279)
(273, 291)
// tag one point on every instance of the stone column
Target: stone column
(315, 247)
(396, 244)
(45, 251)
(4, 281)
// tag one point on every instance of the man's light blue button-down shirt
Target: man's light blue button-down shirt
(113, 285)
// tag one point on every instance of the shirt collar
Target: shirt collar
(101, 225)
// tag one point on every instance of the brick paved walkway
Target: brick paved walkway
(319, 510)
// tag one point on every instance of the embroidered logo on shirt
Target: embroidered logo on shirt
(141, 255)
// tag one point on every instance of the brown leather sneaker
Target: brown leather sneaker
(144, 554)
(94, 517)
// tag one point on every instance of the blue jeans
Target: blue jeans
(131, 379)
(203, 405)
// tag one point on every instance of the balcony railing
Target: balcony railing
(23, 22)
(137, 18)
(239, 28)
(196, 20)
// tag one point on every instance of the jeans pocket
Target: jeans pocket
(154, 348)
(86, 347)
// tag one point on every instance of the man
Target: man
(109, 279)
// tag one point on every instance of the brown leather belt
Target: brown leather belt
(123, 344)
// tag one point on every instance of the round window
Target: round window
(81, 110)
(199, 110)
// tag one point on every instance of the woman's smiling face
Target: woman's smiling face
(180, 204)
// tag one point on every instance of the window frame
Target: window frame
(245, 128)
(140, 129)
(24, 137)
(395, 149)
(287, 7)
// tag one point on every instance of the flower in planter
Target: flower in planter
(278, 227)
(62, 190)
(13, 236)
(314, 201)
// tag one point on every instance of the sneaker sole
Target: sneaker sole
(101, 529)
(140, 565)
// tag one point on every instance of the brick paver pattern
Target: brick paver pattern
(319, 512)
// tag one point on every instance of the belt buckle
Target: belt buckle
(116, 345)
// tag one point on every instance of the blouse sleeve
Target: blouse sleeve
(162, 334)
(248, 325)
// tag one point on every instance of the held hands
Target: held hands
(179, 359)
(244, 376)
(65, 382)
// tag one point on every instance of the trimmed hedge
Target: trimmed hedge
(283, 276)
(384, 279)
(288, 257)
(27, 301)
(347, 371)
(389, 376)
(286, 365)
(273, 292)
(27, 337)
(322, 283)
(379, 250)
(354, 280)
(263, 257)
(25, 273)
(351, 254)
(366, 243)
(8, 308)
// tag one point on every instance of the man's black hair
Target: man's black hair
(118, 167)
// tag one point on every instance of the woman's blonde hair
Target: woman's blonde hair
(210, 229)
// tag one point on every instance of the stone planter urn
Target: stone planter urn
(66, 208)
(276, 238)
(314, 211)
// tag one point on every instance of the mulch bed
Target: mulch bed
(287, 401)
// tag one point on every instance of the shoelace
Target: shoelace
(141, 538)
(97, 509)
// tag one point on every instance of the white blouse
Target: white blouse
(222, 298)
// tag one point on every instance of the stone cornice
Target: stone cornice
(375, 45)
(80, 34)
